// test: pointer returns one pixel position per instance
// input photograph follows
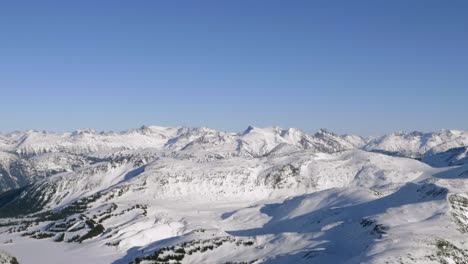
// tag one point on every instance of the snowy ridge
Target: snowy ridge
(29, 156)
(253, 141)
(418, 144)
(230, 179)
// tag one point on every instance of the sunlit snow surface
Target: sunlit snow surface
(261, 196)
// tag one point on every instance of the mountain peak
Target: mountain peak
(86, 131)
(248, 130)
(323, 131)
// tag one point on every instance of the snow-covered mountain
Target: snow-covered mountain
(451, 157)
(32, 155)
(252, 142)
(417, 144)
(265, 195)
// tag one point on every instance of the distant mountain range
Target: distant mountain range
(31, 155)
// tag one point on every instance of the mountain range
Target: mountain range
(264, 195)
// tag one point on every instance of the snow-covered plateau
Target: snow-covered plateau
(265, 195)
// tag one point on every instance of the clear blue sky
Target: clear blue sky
(364, 67)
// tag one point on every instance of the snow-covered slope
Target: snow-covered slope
(197, 195)
(451, 157)
(237, 178)
(225, 207)
(17, 171)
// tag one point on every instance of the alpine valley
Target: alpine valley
(265, 195)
